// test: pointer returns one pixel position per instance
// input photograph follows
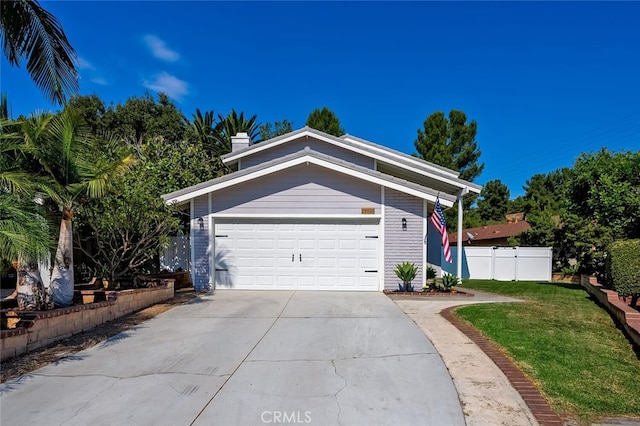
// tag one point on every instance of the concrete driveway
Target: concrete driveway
(249, 358)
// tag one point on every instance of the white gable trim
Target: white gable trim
(448, 177)
(306, 159)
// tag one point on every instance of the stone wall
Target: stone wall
(627, 316)
(45, 327)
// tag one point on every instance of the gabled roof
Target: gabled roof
(304, 156)
(363, 147)
(492, 232)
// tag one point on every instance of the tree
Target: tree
(75, 165)
(603, 205)
(24, 232)
(279, 128)
(233, 124)
(142, 118)
(28, 31)
(91, 110)
(326, 121)
(516, 205)
(122, 232)
(493, 201)
(450, 143)
(545, 193)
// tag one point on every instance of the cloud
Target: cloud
(99, 80)
(160, 50)
(83, 64)
(169, 84)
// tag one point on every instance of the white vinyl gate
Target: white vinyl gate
(509, 263)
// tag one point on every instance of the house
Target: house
(491, 235)
(311, 211)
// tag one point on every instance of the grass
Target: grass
(566, 343)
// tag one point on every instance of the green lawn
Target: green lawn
(566, 343)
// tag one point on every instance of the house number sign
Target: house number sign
(368, 210)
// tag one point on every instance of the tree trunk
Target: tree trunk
(31, 293)
(62, 281)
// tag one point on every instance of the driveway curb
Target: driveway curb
(532, 397)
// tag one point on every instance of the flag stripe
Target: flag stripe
(437, 219)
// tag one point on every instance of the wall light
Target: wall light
(201, 222)
(404, 224)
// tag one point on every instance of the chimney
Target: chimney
(239, 141)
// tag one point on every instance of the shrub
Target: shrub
(448, 281)
(623, 268)
(406, 272)
(431, 272)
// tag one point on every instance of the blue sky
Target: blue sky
(545, 81)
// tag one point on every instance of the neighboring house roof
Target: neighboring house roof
(492, 232)
(308, 155)
(367, 148)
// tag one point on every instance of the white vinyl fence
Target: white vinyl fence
(509, 263)
(177, 255)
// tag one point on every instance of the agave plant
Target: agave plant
(449, 281)
(406, 272)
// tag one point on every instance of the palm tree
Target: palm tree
(76, 164)
(230, 126)
(27, 30)
(204, 126)
(24, 233)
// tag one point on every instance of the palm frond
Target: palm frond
(30, 31)
(23, 232)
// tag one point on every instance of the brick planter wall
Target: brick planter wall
(45, 327)
(627, 316)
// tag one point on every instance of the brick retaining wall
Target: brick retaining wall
(45, 327)
(627, 316)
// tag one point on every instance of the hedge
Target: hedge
(623, 267)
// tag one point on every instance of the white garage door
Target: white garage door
(300, 255)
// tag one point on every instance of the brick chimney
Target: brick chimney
(239, 141)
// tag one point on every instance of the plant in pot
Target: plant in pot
(406, 272)
(431, 279)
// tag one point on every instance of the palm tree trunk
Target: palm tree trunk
(30, 291)
(62, 281)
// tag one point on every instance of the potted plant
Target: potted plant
(406, 272)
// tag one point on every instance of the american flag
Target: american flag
(437, 219)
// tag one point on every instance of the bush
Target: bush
(623, 268)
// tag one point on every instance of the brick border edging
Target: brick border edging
(538, 405)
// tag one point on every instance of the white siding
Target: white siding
(303, 189)
(402, 246)
(299, 145)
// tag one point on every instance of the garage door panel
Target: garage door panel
(259, 255)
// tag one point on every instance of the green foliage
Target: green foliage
(230, 126)
(516, 205)
(121, 233)
(449, 281)
(604, 187)
(493, 201)
(431, 272)
(546, 193)
(623, 267)
(326, 121)
(450, 143)
(279, 128)
(406, 272)
(142, 118)
(565, 342)
(30, 32)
